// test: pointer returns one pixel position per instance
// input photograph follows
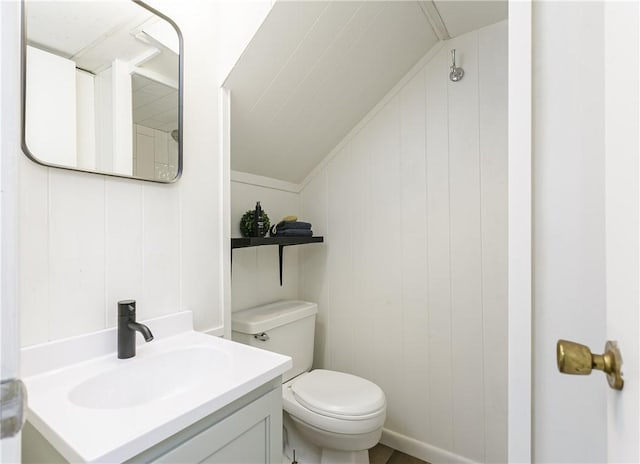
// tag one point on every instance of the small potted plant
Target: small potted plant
(248, 225)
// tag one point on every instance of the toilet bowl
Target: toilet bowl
(335, 411)
(329, 417)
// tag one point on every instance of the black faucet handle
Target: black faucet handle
(127, 308)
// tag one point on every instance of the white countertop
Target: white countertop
(51, 371)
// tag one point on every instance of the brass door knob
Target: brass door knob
(574, 358)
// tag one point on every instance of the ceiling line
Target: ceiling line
(433, 16)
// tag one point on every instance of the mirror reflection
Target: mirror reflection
(102, 88)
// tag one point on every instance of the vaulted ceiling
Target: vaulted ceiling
(314, 69)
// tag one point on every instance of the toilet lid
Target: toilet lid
(339, 395)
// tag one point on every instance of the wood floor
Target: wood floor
(381, 454)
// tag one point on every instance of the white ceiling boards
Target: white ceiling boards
(314, 69)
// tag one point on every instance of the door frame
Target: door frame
(9, 150)
(519, 397)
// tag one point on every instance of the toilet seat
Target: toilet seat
(335, 402)
(339, 395)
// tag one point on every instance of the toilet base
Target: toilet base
(304, 455)
(305, 452)
(330, 456)
(300, 437)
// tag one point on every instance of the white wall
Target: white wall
(411, 283)
(569, 288)
(242, 20)
(255, 273)
(85, 120)
(114, 119)
(103, 82)
(122, 117)
(87, 241)
(52, 128)
(155, 154)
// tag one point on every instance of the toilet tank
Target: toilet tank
(285, 327)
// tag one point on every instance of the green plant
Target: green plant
(246, 223)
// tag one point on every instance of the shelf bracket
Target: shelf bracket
(280, 249)
(280, 241)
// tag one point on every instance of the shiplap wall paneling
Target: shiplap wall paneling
(87, 241)
(161, 235)
(364, 246)
(124, 249)
(438, 277)
(466, 256)
(76, 253)
(314, 209)
(340, 261)
(33, 252)
(414, 284)
(412, 254)
(384, 275)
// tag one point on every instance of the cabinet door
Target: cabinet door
(252, 435)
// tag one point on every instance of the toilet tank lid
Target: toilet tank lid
(265, 317)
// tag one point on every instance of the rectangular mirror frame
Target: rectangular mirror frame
(23, 76)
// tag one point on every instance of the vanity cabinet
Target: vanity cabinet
(251, 435)
(248, 431)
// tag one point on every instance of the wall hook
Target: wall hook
(456, 73)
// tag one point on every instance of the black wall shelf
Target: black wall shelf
(282, 242)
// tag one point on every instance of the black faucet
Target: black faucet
(127, 327)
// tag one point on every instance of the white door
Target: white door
(586, 235)
(622, 203)
(10, 396)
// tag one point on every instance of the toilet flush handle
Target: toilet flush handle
(263, 337)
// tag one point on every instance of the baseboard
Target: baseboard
(420, 450)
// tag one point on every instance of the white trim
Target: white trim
(520, 226)
(262, 181)
(155, 76)
(371, 114)
(9, 151)
(433, 16)
(424, 451)
(224, 116)
(143, 57)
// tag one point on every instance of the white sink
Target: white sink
(93, 407)
(144, 379)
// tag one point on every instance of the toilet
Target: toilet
(329, 417)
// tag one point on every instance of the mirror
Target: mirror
(102, 88)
